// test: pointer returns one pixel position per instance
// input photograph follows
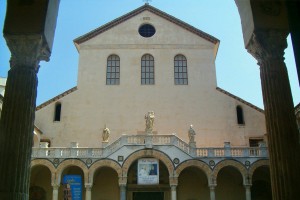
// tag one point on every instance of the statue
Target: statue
(105, 134)
(192, 134)
(149, 117)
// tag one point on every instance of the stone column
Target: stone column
(173, 192)
(122, 191)
(212, 192)
(88, 191)
(55, 192)
(248, 192)
(17, 120)
(268, 48)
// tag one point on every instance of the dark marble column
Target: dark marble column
(283, 138)
(17, 120)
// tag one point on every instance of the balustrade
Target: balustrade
(139, 140)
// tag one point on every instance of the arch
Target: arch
(104, 163)
(240, 167)
(71, 162)
(193, 163)
(148, 153)
(48, 164)
(256, 165)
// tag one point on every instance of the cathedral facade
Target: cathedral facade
(148, 121)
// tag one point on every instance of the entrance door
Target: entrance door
(148, 196)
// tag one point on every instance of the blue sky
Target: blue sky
(237, 71)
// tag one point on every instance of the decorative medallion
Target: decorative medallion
(247, 163)
(176, 161)
(212, 163)
(88, 161)
(56, 161)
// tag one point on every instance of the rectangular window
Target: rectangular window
(254, 142)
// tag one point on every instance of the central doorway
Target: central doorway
(148, 196)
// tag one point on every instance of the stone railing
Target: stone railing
(149, 141)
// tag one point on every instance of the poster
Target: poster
(148, 171)
(72, 187)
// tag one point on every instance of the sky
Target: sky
(237, 71)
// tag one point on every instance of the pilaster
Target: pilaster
(268, 48)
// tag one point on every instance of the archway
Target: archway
(64, 190)
(40, 183)
(105, 184)
(136, 190)
(230, 184)
(261, 184)
(193, 184)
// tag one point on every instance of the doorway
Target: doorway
(148, 196)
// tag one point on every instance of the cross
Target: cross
(147, 1)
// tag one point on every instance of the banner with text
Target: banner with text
(72, 187)
(148, 171)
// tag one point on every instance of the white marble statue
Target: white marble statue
(149, 117)
(105, 134)
(192, 134)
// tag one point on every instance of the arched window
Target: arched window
(57, 112)
(240, 115)
(147, 72)
(180, 70)
(113, 70)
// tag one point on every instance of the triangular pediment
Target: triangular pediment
(138, 11)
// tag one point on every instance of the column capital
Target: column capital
(173, 186)
(247, 185)
(267, 44)
(27, 50)
(212, 181)
(122, 181)
(55, 186)
(212, 186)
(88, 186)
(173, 180)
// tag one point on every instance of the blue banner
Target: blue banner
(73, 187)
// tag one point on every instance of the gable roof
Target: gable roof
(137, 11)
(56, 98)
(241, 100)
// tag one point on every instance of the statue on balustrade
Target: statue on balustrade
(105, 134)
(191, 134)
(149, 117)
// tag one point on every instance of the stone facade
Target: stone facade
(223, 124)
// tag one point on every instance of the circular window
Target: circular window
(147, 30)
